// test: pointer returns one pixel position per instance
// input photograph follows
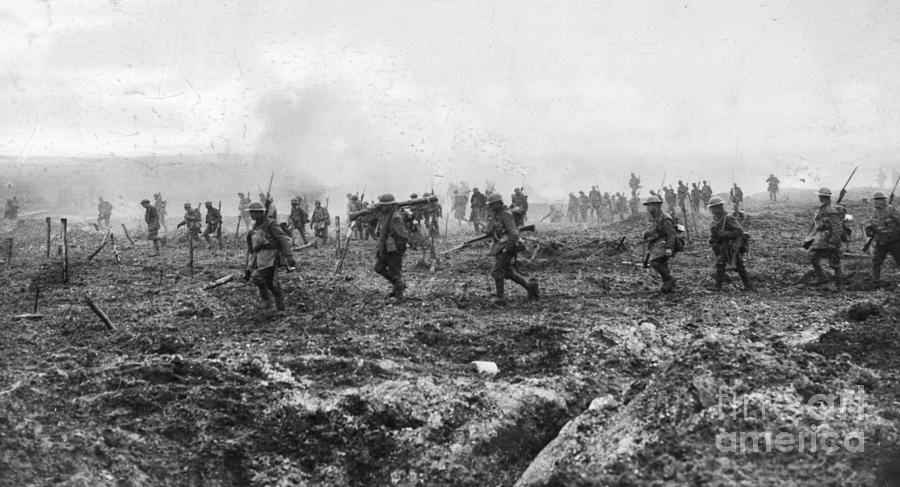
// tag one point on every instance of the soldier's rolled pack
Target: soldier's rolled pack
(400, 204)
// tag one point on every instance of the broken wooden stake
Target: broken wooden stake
(27, 316)
(112, 239)
(103, 244)
(127, 235)
(191, 252)
(313, 245)
(219, 282)
(48, 238)
(37, 295)
(100, 314)
(337, 235)
(65, 237)
(9, 246)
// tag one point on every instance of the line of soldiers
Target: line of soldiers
(478, 202)
(595, 206)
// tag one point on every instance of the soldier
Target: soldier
(884, 228)
(596, 202)
(298, 219)
(433, 212)
(705, 193)
(671, 198)
(459, 207)
(506, 246)
(773, 188)
(104, 212)
(682, 194)
(572, 209)
(151, 218)
(634, 204)
(826, 241)
(737, 197)
(477, 203)
(634, 183)
(621, 206)
(726, 237)
(392, 240)
(661, 239)
(192, 219)
(243, 204)
(12, 209)
(695, 198)
(520, 201)
(213, 221)
(267, 245)
(354, 205)
(320, 222)
(160, 204)
(584, 204)
(554, 215)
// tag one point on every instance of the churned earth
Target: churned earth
(601, 382)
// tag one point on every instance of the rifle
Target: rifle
(890, 201)
(368, 213)
(468, 243)
(809, 238)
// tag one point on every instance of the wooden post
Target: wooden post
(337, 235)
(48, 238)
(127, 235)
(191, 252)
(102, 244)
(37, 295)
(219, 228)
(9, 246)
(100, 314)
(65, 238)
(237, 231)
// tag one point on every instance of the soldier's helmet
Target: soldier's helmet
(412, 196)
(354, 197)
(652, 200)
(318, 203)
(208, 203)
(239, 194)
(878, 195)
(494, 199)
(145, 200)
(295, 201)
(387, 199)
(475, 189)
(824, 192)
(187, 205)
(715, 201)
(256, 207)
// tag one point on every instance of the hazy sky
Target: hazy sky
(534, 88)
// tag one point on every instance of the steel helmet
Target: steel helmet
(295, 201)
(651, 200)
(824, 192)
(386, 199)
(494, 198)
(208, 203)
(145, 200)
(187, 205)
(878, 195)
(715, 201)
(256, 206)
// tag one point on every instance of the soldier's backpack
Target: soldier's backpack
(846, 221)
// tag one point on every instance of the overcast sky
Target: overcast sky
(524, 88)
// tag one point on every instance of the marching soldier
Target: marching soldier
(267, 245)
(737, 198)
(884, 229)
(104, 212)
(635, 184)
(726, 237)
(392, 239)
(506, 246)
(160, 204)
(151, 218)
(696, 195)
(192, 219)
(459, 207)
(826, 241)
(584, 205)
(477, 203)
(596, 202)
(243, 204)
(671, 198)
(298, 219)
(354, 205)
(706, 193)
(773, 188)
(320, 222)
(572, 209)
(661, 239)
(213, 220)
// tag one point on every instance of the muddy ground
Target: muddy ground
(601, 382)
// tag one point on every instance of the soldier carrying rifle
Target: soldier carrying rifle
(728, 242)
(391, 246)
(884, 230)
(267, 248)
(505, 248)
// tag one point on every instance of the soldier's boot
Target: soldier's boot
(208, 241)
(265, 301)
(399, 288)
(719, 278)
(156, 246)
(819, 274)
(838, 280)
(278, 294)
(745, 278)
(500, 296)
(876, 273)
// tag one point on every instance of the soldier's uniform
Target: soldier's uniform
(505, 236)
(634, 204)
(737, 197)
(320, 222)
(695, 198)
(621, 206)
(706, 193)
(104, 212)
(726, 237)
(773, 188)
(433, 212)
(151, 218)
(391, 244)
(160, 205)
(268, 247)
(572, 209)
(193, 220)
(596, 202)
(213, 222)
(671, 198)
(660, 239)
(354, 205)
(634, 183)
(477, 202)
(584, 204)
(884, 228)
(298, 219)
(826, 240)
(682, 194)
(243, 204)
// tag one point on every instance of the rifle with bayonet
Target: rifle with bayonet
(890, 202)
(810, 237)
(468, 243)
(342, 255)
